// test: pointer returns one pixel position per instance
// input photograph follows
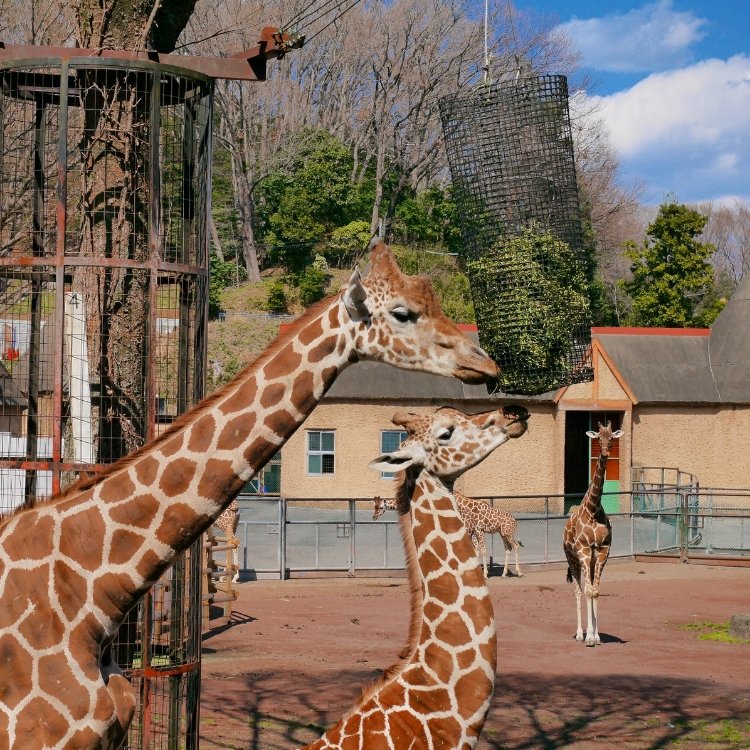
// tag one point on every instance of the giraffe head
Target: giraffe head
(379, 509)
(399, 320)
(605, 436)
(448, 442)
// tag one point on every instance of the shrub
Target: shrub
(312, 285)
(276, 301)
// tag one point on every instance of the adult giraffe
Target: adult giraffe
(438, 697)
(72, 567)
(587, 538)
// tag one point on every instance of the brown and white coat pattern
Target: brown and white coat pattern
(439, 696)
(72, 567)
(587, 538)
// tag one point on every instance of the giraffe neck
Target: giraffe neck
(592, 500)
(118, 533)
(448, 676)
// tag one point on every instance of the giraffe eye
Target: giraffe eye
(445, 435)
(403, 314)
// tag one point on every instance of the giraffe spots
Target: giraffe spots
(176, 477)
(139, 511)
(202, 434)
(124, 546)
(82, 538)
(57, 678)
(333, 317)
(259, 452)
(488, 651)
(31, 539)
(372, 334)
(311, 332)
(450, 524)
(429, 562)
(272, 395)
(324, 349)
(444, 588)
(328, 375)
(440, 661)
(472, 690)
(40, 724)
(84, 738)
(303, 392)
(236, 431)
(15, 661)
(172, 445)
(452, 629)
(406, 729)
(22, 587)
(430, 700)
(479, 612)
(113, 594)
(241, 398)
(116, 487)
(373, 723)
(146, 469)
(280, 422)
(43, 632)
(440, 548)
(179, 525)
(148, 563)
(431, 611)
(70, 588)
(217, 478)
(473, 578)
(281, 364)
(464, 551)
(445, 733)
(465, 658)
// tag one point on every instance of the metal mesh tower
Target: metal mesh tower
(104, 200)
(511, 159)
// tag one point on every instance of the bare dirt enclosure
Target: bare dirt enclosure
(299, 652)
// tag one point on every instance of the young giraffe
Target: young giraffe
(72, 567)
(587, 538)
(227, 523)
(480, 518)
(438, 697)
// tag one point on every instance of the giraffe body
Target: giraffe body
(439, 696)
(586, 541)
(72, 567)
(227, 524)
(480, 518)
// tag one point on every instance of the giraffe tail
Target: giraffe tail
(520, 543)
(570, 575)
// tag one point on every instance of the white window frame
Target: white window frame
(390, 475)
(319, 452)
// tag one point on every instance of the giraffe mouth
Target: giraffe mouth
(516, 413)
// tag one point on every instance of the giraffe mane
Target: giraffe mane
(206, 404)
(415, 591)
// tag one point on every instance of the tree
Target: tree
(672, 279)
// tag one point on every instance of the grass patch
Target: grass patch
(714, 631)
(729, 734)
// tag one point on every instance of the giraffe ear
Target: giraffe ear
(355, 298)
(618, 433)
(592, 434)
(394, 461)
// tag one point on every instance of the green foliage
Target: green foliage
(312, 285)
(672, 280)
(346, 243)
(429, 217)
(276, 301)
(222, 274)
(531, 300)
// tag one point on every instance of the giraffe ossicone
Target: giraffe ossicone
(587, 538)
(439, 695)
(73, 566)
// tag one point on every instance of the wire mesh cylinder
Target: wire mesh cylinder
(510, 152)
(104, 199)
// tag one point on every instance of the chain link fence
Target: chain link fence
(282, 538)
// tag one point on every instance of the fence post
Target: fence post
(632, 523)
(683, 527)
(282, 538)
(546, 528)
(352, 535)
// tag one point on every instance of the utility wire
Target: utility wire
(315, 14)
(336, 18)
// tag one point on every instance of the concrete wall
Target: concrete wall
(522, 466)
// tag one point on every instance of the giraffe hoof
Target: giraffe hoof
(579, 637)
(520, 575)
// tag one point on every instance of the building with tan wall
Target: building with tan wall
(681, 396)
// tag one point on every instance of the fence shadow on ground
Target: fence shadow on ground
(630, 712)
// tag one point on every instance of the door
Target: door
(610, 498)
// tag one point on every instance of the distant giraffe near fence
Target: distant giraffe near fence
(73, 566)
(227, 523)
(480, 518)
(587, 539)
(438, 697)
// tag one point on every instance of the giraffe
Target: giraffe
(227, 523)
(587, 538)
(72, 567)
(480, 518)
(439, 695)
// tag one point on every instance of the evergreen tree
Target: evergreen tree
(673, 281)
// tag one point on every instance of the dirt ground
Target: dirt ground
(298, 652)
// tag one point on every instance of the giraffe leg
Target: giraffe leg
(483, 548)
(601, 559)
(507, 546)
(515, 550)
(588, 590)
(574, 576)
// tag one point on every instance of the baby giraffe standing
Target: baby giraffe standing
(587, 539)
(438, 697)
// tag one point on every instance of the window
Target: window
(320, 452)
(390, 440)
(268, 480)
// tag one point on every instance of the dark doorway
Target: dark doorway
(576, 456)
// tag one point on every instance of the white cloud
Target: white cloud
(652, 37)
(683, 131)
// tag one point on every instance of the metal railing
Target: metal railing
(281, 538)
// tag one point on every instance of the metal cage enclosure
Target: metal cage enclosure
(510, 152)
(104, 200)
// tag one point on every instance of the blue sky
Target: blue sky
(671, 80)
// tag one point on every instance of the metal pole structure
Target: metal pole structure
(352, 536)
(282, 538)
